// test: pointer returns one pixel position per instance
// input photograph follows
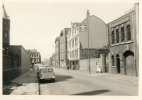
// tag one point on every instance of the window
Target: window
(117, 36)
(73, 43)
(76, 42)
(122, 34)
(70, 55)
(128, 32)
(76, 52)
(112, 58)
(73, 54)
(70, 44)
(112, 37)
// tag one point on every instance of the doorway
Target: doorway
(118, 63)
(130, 68)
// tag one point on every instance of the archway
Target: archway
(129, 63)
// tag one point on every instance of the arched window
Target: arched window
(117, 36)
(122, 34)
(128, 32)
(112, 37)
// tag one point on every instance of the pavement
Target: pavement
(27, 84)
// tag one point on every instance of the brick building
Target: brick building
(24, 57)
(123, 43)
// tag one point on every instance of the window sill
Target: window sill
(121, 43)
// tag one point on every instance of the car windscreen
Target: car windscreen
(44, 70)
(50, 70)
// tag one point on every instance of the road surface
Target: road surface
(71, 82)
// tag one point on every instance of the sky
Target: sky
(35, 25)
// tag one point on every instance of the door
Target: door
(130, 69)
(129, 63)
(118, 63)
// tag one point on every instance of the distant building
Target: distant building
(35, 56)
(52, 60)
(123, 43)
(57, 52)
(63, 47)
(91, 29)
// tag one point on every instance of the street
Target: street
(71, 82)
(75, 82)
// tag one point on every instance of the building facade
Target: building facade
(85, 41)
(57, 52)
(63, 47)
(24, 57)
(73, 46)
(35, 56)
(122, 43)
(52, 60)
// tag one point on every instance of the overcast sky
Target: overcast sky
(36, 25)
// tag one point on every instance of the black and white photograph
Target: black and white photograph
(70, 48)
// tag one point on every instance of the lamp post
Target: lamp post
(89, 68)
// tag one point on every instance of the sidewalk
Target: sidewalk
(119, 77)
(26, 84)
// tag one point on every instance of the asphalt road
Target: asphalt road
(69, 82)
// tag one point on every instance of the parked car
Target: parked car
(37, 66)
(46, 74)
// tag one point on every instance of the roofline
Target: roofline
(19, 46)
(94, 16)
(129, 11)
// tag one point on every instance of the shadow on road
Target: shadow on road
(93, 92)
(62, 78)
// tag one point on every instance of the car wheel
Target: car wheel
(39, 80)
(53, 80)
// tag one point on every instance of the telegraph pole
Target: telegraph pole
(89, 68)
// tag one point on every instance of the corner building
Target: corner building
(122, 43)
